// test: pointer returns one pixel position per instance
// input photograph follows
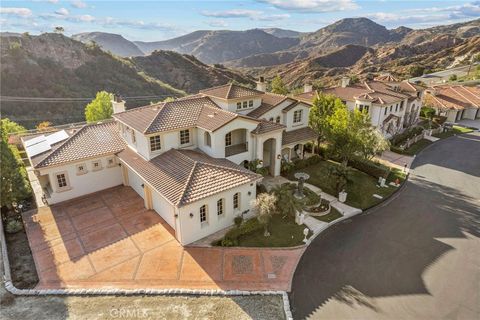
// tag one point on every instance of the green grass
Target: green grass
(417, 147)
(284, 232)
(455, 130)
(334, 214)
(360, 188)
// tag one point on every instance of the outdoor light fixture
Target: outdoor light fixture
(279, 156)
(119, 164)
(176, 215)
(191, 215)
(143, 186)
(249, 193)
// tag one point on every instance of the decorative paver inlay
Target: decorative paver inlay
(109, 239)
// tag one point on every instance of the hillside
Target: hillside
(185, 72)
(282, 33)
(222, 45)
(114, 43)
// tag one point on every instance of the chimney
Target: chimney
(118, 104)
(307, 87)
(261, 84)
(345, 82)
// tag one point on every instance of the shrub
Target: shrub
(287, 166)
(376, 170)
(313, 160)
(427, 112)
(13, 226)
(402, 137)
(249, 226)
(238, 221)
(261, 189)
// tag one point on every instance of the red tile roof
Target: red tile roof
(453, 97)
(231, 91)
(299, 135)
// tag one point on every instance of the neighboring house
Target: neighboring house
(187, 158)
(393, 105)
(456, 102)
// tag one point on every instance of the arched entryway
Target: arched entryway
(269, 152)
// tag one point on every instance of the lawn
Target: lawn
(334, 214)
(417, 147)
(284, 232)
(360, 188)
(455, 130)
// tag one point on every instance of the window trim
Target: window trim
(250, 103)
(300, 120)
(236, 201)
(239, 105)
(81, 172)
(100, 167)
(221, 205)
(154, 143)
(187, 131)
(205, 208)
(228, 138)
(278, 119)
(207, 139)
(114, 163)
(67, 181)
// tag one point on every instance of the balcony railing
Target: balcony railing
(236, 149)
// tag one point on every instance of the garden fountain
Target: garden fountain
(301, 177)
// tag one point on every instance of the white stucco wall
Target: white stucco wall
(218, 139)
(190, 229)
(289, 117)
(470, 113)
(163, 208)
(83, 184)
(231, 105)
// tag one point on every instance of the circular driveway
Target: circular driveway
(416, 257)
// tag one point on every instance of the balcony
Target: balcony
(236, 149)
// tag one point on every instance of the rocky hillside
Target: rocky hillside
(185, 72)
(282, 33)
(114, 43)
(222, 45)
(55, 66)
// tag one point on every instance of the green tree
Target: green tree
(59, 29)
(100, 108)
(453, 77)
(264, 207)
(416, 71)
(14, 185)
(286, 204)
(371, 142)
(278, 86)
(323, 107)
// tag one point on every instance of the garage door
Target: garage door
(135, 182)
(163, 208)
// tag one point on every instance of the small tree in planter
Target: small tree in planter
(264, 207)
(287, 204)
(340, 177)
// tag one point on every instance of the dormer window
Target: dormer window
(239, 105)
(155, 143)
(245, 104)
(185, 136)
(297, 116)
(250, 104)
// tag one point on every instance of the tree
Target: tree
(278, 86)
(340, 177)
(323, 107)
(264, 207)
(44, 126)
(416, 71)
(371, 142)
(287, 203)
(453, 77)
(100, 108)
(14, 184)
(58, 29)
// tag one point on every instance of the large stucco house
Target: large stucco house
(456, 102)
(187, 158)
(392, 105)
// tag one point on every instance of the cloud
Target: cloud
(53, 1)
(217, 23)
(78, 4)
(309, 6)
(250, 14)
(62, 12)
(20, 12)
(86, 18)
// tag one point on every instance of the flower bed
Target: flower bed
(319, 210)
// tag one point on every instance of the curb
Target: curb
(7, 279)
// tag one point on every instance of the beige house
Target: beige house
(456, 102)
(187, 158)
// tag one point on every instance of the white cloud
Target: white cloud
(217, 23)
(86, 18)
(53, 1)
(251, 14)
(79, 4)
(20, 12)
(309, 6)
(62, 12)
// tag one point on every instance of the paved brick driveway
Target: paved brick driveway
(110, 240)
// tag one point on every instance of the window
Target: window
(385, 112)
(134, 138)
(297, 116)
(155, 143)
(207, 139)
(363, 108)
(401, 105)
(203, 214)
(81, 169)
(97, 165)
(271, 119)
(111, 162)
(277, 120)
(62, 182)
(250, 103)
(236, 201)
(391, 108)
(396, 108)
(184, 136)
(245, 104)
(220, 207)
(228, 139)
(239, 105)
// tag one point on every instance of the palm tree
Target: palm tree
(287, 203)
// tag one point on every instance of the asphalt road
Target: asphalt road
(417, 257)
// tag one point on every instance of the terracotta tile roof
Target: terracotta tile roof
(269, 101)
(298, 135)
(185, 176)
(185, 112)
(307, 96)
(231, 91)
(273, 98)
(88, 142)
(293, 105)
(387, 77)
(267, 126)
(453, 97)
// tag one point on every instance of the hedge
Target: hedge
(376, 170)
(231, 237)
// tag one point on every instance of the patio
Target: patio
(108, 239)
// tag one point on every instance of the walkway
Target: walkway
(415, 258)
(109, 239)
(396, 160)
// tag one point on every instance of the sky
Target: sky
(160, 20)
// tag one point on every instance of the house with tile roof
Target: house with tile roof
(456, 102)
(186, 158)
(392, 105)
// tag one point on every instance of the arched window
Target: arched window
(207, 139)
